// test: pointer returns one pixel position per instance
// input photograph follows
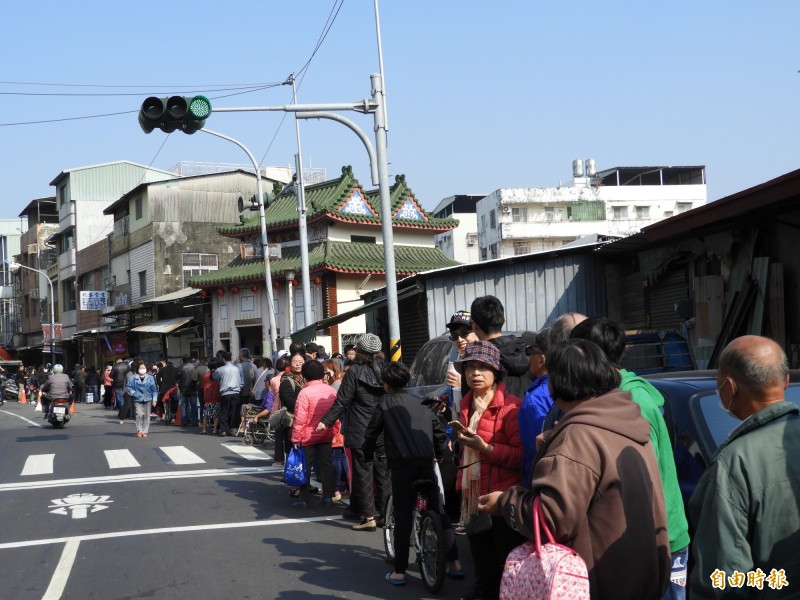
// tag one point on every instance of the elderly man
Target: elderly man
(746, 508)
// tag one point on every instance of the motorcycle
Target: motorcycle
(10, 389)
(58, 412)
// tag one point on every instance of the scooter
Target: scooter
(58, 414)
(10, 389)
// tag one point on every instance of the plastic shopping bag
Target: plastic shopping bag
(295, 473)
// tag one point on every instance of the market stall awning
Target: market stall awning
(163, 326)
(308, 333)
(173, 296)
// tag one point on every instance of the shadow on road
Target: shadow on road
(44, 438)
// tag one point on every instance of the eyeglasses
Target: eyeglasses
(531, 350)
(462, 334)
(329, 373)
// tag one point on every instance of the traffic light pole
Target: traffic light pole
(268, 346)
(374, 106)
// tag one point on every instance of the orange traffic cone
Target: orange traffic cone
(22, 398)
(72, 408)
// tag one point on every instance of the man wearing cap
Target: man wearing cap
(537, 402)
(356, 403)
(461, 334)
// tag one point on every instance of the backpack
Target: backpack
(544, 572)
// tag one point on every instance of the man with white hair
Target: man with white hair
(57, 386)
(746, 507)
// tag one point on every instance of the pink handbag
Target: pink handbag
(537, 572)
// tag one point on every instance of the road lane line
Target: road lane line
(23, 418)
(179, 455)
(63, 569)
(120, 459)
(38, 464)
(40, 485)
(247, 452)
(184, 529)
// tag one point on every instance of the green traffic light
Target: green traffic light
(199, 107)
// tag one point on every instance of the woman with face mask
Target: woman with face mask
(143, 390)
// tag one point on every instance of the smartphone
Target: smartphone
(457, 426)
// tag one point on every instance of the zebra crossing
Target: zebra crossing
(123, 458)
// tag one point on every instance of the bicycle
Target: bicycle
(427, 536)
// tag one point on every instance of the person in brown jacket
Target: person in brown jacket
(597, 479)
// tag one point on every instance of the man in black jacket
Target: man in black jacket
(118, 372)
(488, 318)
(167, 379)
(188, 385)
(414, 437)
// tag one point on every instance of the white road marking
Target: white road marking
(23, 418)
(63, 568)
(120, 459)
(179, 455)
(38, 464)
(38, 485)
(185, 529)
(248, 452)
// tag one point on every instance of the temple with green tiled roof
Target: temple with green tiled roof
(346, 257)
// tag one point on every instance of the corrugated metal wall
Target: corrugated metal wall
(670, 289)
(534, 292)
(142, 260)
(108, 183)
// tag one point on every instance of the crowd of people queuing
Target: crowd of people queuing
(548, 415)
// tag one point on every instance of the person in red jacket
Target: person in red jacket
(313, 401)
(491, 461)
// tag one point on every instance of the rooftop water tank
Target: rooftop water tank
(577, 168)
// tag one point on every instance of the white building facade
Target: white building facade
(614, 202)
(461, 243)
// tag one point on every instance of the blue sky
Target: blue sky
(480, 95)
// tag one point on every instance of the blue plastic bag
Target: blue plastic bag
(295, 473)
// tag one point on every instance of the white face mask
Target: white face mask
(727, 409)
(142, 371)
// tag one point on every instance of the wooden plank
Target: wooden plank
(709, 304)
(776, 308)
(755, 325)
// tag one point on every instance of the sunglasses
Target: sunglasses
(463, 335)
(531, 350)
(329, 373)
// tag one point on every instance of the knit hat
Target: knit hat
(480, 351)
(369, 343)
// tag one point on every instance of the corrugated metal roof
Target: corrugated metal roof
(173, 296)
(163, 326)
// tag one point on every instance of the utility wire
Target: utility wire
(102, 85)
(92, 94)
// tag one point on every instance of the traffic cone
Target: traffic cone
(22, 398)
(72, 408)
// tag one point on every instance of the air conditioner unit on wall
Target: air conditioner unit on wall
(33, 248)
(506, 210)
(33, 294)
(472, 239)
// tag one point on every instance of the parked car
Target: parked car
(696, 421)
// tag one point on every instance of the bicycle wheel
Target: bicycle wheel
(388, 530)
(247, 440)
(433, 556)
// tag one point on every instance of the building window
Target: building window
(484, 254)
(483, 222)
(642, 212)
(620, 213)
(195, 264)
(142, 283)
(493, 219)
(549, 213)
(667, 214)
(364, 239)
(69, 294)
(519, 215)
(521, 248)
(684, 206)
(139, 208)
(493, 251)
(62, 195)
(28, 307)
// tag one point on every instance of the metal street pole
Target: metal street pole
(13, 266)
(372, 106)
(270, 345)
(301, 210)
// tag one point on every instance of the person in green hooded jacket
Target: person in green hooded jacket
(612, 340)
(745, 510)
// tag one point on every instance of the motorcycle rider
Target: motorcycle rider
(58, 385)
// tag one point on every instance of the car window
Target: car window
(715, 424)
(430, 364)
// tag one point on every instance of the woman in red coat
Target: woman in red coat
(491, 461)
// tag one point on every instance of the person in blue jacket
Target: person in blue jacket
(142, 388)
(537, 402)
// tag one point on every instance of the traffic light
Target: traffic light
(176, 112)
